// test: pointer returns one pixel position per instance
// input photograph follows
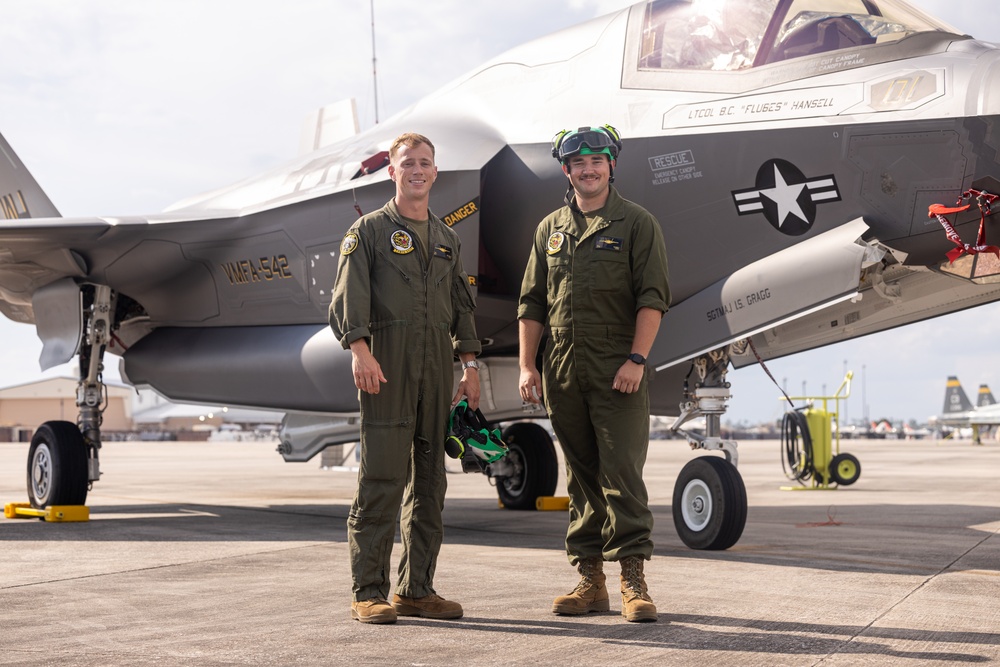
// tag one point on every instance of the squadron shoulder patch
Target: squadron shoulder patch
(402, 242)
(349, 243)
(555, 244)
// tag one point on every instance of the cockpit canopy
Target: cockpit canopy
(733, 35)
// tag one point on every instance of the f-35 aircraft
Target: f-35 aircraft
(790, 149)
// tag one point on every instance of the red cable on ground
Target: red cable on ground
(830, 513)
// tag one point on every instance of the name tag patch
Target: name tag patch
(442, 251)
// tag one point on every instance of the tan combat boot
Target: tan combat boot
(636, 603)
(429, 606)
(375, 610)
(591, 594)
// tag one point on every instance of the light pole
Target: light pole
(374, 69)
(864, 395)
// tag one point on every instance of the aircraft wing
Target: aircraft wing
(985, 416)
(260, 253)
(35, 253)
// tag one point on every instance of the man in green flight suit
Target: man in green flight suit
(597, 275)
(403, 305)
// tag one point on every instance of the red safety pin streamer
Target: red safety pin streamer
(985, 201)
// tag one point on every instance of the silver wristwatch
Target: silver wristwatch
(470, 364)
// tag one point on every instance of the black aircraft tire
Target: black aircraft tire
(534, 457)
(710, 504)
(57, 466)
(845, 469)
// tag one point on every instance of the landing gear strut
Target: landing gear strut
(63, 459)
(710, 499)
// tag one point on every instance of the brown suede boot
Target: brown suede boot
(591, 594)
(375, 610)
(636, 603)
(429, 606)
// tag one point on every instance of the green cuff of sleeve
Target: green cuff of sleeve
(353, 335)
(531, 312)
(473, 346)
(651, 302)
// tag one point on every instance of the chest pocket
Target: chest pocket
(390, 268)
(609, 270)
(441, 264)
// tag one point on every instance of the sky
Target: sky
(120, 107)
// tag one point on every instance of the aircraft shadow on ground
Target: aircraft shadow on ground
(708, 633)
(859, 541)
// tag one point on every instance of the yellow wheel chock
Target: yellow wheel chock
(552, 503)
(53, 513)
(546, 503)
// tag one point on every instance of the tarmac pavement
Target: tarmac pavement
(221, 554)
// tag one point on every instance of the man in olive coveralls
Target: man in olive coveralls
(403, 305)
(597, 275)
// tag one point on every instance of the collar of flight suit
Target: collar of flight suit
(394, 214)
(613, 209)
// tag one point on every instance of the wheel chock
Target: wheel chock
(552, 503)
(53, 513)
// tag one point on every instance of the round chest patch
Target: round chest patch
(349, 244)
(555, 243)
(402, 242)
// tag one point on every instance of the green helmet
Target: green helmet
(471, 439)
(587, 141)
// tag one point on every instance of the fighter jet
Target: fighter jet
(985, 396)
(791, 151)
(959, 412)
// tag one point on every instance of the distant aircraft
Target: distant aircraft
(882, 429)
(916, 433)
(958, 410)
(790, 150)
(985, 397)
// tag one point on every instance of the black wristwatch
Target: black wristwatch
(637, 358)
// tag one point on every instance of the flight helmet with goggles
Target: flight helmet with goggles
(586, 141)
(471, 439)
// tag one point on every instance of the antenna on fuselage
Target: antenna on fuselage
(374, 70)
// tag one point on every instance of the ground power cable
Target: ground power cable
(796, 462)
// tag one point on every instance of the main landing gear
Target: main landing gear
(710, 499)
(529, 470)
(63, 457)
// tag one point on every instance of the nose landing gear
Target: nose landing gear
(63, 458)
(710, 499)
